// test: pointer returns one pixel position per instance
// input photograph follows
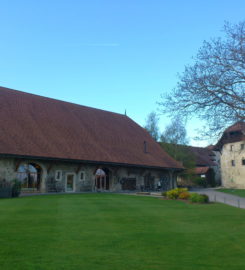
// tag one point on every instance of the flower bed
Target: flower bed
(184, 194)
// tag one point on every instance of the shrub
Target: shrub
(16, 188)
(198, 198)
(184, 195)
(164, 194)
(182, 190)
(199, 181)
(174, 193)
(194, 197)
(205, 198)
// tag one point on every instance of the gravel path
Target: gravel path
(216, 196)
(213, 194)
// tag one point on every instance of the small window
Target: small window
(58, 175)
(242, 146)
(231, 147)
(82, 176)
(233, 163)
(243, 161)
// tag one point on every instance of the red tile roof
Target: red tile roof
(203, 155)
(201, 170)
(210, 147)
(232, 134)
(37, 126)
(238, 126)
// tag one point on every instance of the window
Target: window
(242, 146)
(58, 175)
(233, 163)
(231, 147)
(81, 176)
(243, 161)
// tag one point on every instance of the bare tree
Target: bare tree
(213, 88)
(174, 140)
(152, 125)
(175, 133)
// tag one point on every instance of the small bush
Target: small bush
(194, 197)
(205, 198)
(198, 198)
(174, 193)
(199, 181)
(164, 194)
(16, 188)
(184, 195)
(182, 190)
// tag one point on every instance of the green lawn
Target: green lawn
(238, 192)
(113, 232)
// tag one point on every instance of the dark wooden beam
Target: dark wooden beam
(17, 163)
(142, 172)
(79, 167)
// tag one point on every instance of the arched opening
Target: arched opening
(29, 174)
(102, 178)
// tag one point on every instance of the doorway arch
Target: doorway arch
(30, 176)
(103, 182)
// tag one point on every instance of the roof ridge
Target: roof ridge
(239, 125)
(59, 100)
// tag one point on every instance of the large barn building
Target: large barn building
(52, 145)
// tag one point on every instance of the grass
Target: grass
(114, 232)
(238, 192)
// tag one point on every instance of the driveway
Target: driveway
(216, 196)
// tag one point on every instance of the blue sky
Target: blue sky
(113, 55)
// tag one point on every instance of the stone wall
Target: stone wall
(233, 176)
(83, 175)
(7, 169)
(217, 168)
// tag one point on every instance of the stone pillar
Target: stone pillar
(95, 184)
(44, 175)
(100, 182)
(172, 179)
